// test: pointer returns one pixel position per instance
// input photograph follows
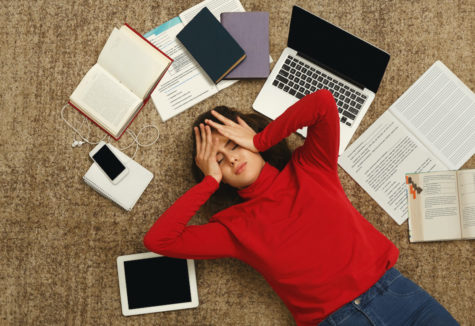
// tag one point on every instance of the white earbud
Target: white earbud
(77, 143)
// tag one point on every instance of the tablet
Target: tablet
(150, 282)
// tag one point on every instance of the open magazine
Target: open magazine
(429, 128)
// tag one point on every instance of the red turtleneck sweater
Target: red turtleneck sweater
(296, 226)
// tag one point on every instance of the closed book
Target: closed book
(211, 45)
(251, 31)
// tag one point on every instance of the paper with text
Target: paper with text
(437, 215)
(466, 184)
(185, 83)
(439, 109)
(430, 127)
(105, 98)
(379, 160)
(132, 61)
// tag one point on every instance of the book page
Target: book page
(440, 110)
(216, 7)
(107, 101)
(133, 61)
(185, 83)
(466, 183)
(433, 198)
(379, 160)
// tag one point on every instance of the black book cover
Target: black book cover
(211, 45)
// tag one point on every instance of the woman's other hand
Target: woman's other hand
(206, 151)
(240, 133)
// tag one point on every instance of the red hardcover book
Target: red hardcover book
(117, 87)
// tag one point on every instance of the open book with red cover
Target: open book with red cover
(115, 89)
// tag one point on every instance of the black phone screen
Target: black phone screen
(108, 162)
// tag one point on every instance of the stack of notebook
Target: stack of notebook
(128, 191)
(237, 48)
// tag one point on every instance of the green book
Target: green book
(215, 50)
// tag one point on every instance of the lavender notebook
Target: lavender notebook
(251, 31)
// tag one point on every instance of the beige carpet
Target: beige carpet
(59, 239)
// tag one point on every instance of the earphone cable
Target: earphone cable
(135, 137)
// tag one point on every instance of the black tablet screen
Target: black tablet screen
(156, 281)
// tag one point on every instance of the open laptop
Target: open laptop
(321, 55)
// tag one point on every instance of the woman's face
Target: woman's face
(240, 167)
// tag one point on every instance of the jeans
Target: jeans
(393, 300)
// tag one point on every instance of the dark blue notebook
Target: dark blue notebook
(211, 45)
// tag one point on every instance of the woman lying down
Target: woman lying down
(295, 225)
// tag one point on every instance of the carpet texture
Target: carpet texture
(59, 239)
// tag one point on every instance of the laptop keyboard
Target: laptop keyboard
(299, 79)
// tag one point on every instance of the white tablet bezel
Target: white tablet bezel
(176, 306)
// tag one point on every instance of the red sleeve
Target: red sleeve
(318, 111)
(170, 236)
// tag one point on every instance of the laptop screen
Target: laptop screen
(336, 50)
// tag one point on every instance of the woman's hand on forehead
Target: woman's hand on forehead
(206, 150)
(240, 133)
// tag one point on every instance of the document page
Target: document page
(466, 182)
(439, 109)
(106, 100)
(185, 83)
(436, 197)
(132, 61)
(379, 160)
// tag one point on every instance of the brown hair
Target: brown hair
(277, 156)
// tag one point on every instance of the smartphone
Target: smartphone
(109, 163)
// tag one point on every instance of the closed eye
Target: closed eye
(221, 158)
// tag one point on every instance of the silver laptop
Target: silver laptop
(321, 55)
